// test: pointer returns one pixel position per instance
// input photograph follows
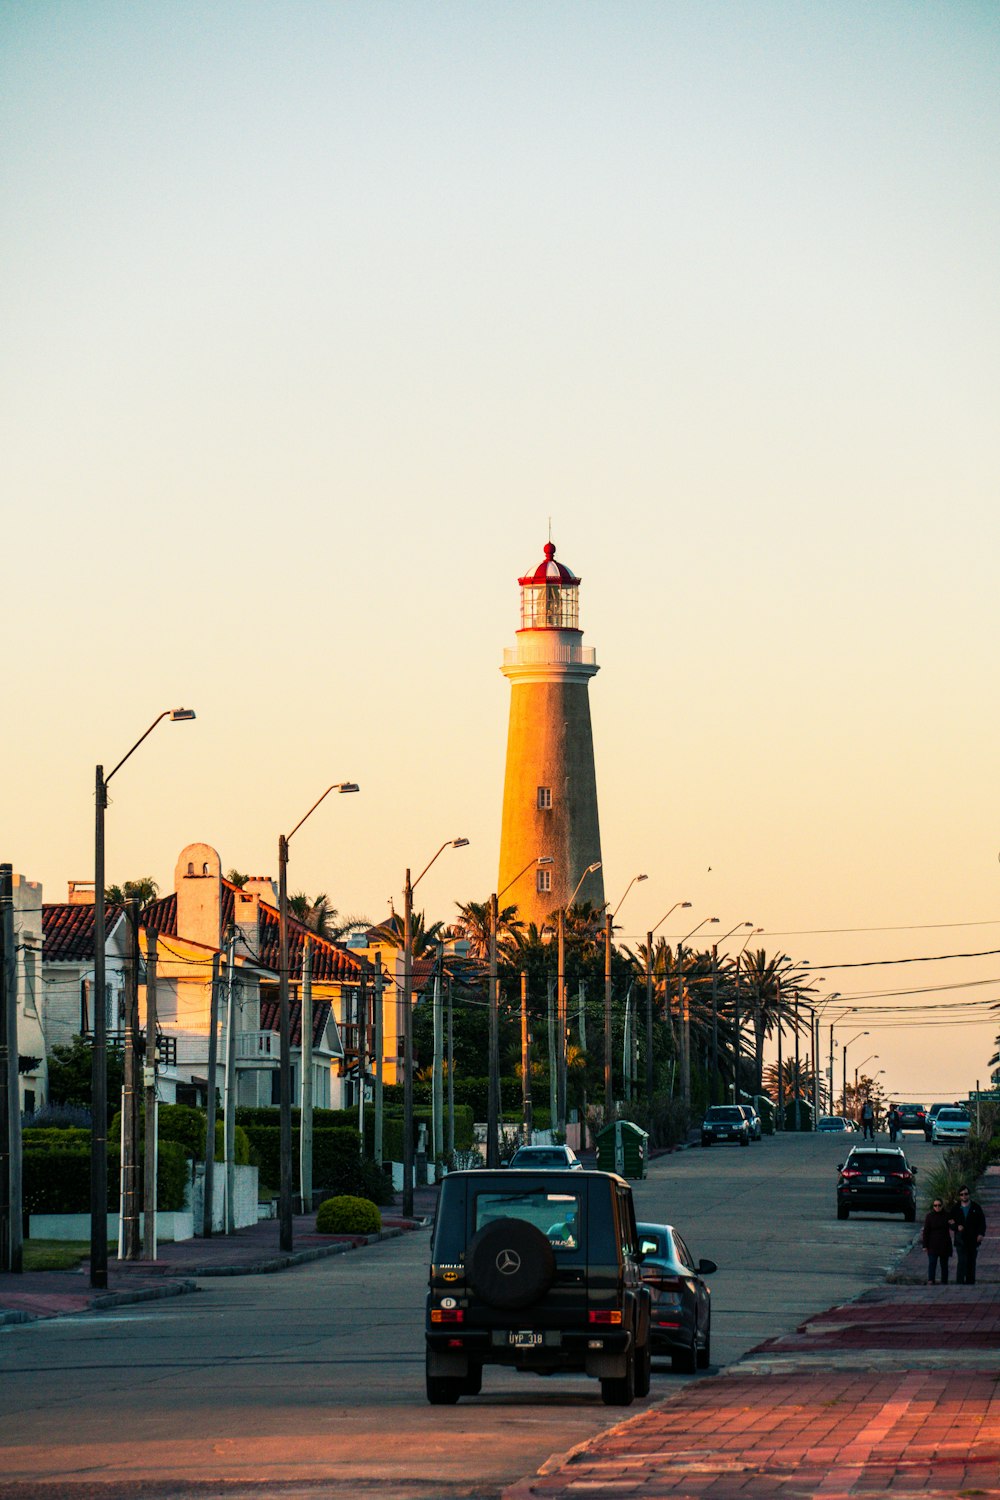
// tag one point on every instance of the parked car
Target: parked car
(538, 1271)
(546, 1158)
(911, 1116)
(753, 1120)
(681, 1315)
(950, 1124)
(832, 1123)
(725, 1122)
(931, 1115)
(877, 1179)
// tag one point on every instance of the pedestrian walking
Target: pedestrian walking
(936, 1240)
(968, 1223)
(893, 1123)
(868, 1120)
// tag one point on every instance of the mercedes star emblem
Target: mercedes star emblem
(508, 1261)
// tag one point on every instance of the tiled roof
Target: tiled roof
(330, 961)
(321, 1016)
(69, 931)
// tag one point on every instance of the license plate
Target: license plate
(876, 1179)
(523, 1339)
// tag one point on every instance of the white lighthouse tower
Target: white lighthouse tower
(550, 788)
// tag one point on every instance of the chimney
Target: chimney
(198, 883)
(81, 893)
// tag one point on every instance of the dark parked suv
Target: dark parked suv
(877, 1179)
(725, 1122)
(539, 1271)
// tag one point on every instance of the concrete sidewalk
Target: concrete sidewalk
(178, 1267)
(897, 1392)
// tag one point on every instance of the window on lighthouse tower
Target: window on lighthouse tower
(544, 798)
(543, 880)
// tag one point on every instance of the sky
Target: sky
(316, 316)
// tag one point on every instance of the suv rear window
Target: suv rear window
(724, 1112)
(557, 1215)
(876, 1161)
(952, 1114)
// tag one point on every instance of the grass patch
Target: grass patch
(59, 1255)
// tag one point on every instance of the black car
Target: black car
(911, 1116)
(539, 1271)
(931, 1116)
(681, 1320)
(877, 1179)
(725, 1122)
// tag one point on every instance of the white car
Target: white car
(950, 1125)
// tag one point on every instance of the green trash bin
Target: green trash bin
(623, 1148)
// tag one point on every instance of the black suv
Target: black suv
(877, 1179)
(725, 1122)
(539, 1271)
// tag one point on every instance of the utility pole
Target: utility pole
(561, 1022)
(362, 1048)
(99, 1063)
(780, 1125)
(213, 1064)
(609, 1092)
(451, 1075)
(377, 1132)
(581, 1022)
(798, 1079)
(306, 1089)
(229, 1095)
(150, 1106)
(682, 1002)
(437, 1071)
(11, 1245)
(128, 1223)
(493, 1079)
(408, 1048)
(551, 1025)
(649, 1020)
(525, 1061)
(715, 1023)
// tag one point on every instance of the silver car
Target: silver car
(546, 1159)
(950, 1125)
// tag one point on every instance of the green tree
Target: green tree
(320, 917)
(425, 939)
(473, 925)
(142, 890)
(769, 988)
(237, 878)
(70, 1068)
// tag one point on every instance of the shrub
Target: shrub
(187, 1126)
(58, 1181)
(58, 1117)
(347, 1215)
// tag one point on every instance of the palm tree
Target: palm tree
(142, 890)
(770, 986)
(425, 939)
(322, 918)
(473, 925)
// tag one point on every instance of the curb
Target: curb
(294, 1257)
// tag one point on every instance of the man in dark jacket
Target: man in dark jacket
(968, 1223)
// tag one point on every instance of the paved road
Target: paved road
(311, 1382)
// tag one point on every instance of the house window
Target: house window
(544, 799)
(543, 880)
(30, 1001)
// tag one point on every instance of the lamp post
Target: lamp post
(609, 923)
(843, 1059)
(737, 1021)
(649, 997)
(870, 1058)
(408, 889)
(99, 1060)
(715, 1005)
(284, 1029)
(561, 1017)
(493, 1092)
(686, 1018)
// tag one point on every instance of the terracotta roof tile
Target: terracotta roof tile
(321, 1015)
(69, 931)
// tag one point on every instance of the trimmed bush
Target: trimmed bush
(348, 1215)
(58, 1182)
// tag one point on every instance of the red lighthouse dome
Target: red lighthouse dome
(550, 597)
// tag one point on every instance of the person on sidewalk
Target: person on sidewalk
(868, 1120)
(936, 1240)
(893, 1123)
(969, 1225)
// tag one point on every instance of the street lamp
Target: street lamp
(870, 1058)
(737, 1021)
(99, 1059)
(843, 1059)
(715, 1003)
(562, 1019)
(493, 1088)
(408, 889)
(284, 1029)
(686, 1019)
(609, 924)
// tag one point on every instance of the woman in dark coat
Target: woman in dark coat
(936, 1240)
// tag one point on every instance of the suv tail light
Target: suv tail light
(447, 1315)
(903, 1176)
(608, 1315)
(851, 1172)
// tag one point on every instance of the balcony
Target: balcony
(257, 1050)
(543, 650)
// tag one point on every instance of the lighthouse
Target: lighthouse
(550, 786)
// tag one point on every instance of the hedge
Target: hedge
(392, 1127)
(336, 1154)
(186, 1125)
(58, 1182)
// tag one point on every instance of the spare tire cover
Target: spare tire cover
(510, 1263)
